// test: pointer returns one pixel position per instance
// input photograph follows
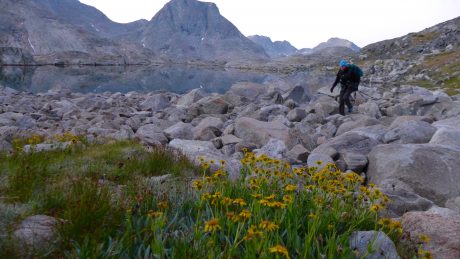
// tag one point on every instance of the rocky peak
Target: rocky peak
(193, 29)
(274, 49)
(336, 42)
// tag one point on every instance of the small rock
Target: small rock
(382, 246)
(36, 233)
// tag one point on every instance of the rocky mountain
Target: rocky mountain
(189, 29)
(336, 42)
(88, 18)
(429, 58)
(39, 29)
(274, 49)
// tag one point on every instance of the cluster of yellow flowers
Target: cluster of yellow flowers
(67, 136)
(272, 187)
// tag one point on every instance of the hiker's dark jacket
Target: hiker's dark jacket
(346, 76)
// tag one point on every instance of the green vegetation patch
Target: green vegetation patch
(108, 207)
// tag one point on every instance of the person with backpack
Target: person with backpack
(349, 76)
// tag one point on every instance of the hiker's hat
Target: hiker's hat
(342, 63)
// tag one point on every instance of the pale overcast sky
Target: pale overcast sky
(306, 23)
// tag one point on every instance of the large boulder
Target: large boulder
(151, 134)
(260, 132)
(267, 113)
(356, 122)
(195, 150)
(36, 234)
(447, 136)
(179, 130)
(412, 131)
(209, 128)
(212, 105)
(275, 148)
(373, 245)
(349, 142)
(155, 102)
(191, 97)
(296, 115)
(443, 229)
(430, 171)
(371, 109)
(299, 94)
(452, 123)
(250, 91)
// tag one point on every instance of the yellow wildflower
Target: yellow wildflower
(245, 214)
(253, 233)
(155, 214)
(212, 225)
(227, 200)
(288, 198)
(385, 222)
(240, 202)
(290, 187)
(277, 204)
(232, 216)
(376, 208)
(264, 202)
(279, 249)
(163, 205)
(271, 197)
(424, 238)
(425, 254)
(218, 174)
(256, 195)
(268, 225)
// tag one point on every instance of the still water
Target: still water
(178, 79)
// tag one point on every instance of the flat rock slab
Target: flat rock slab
(431, 171)
(443, 230)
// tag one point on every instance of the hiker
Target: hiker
(349, 76)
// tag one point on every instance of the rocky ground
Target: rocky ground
(406, 139)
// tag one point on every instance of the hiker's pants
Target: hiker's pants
(345, 93)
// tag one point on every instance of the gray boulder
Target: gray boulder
(349, 142)
(356, 122)
(319, 160)
(250, 91)
(212, 105)
(275, 148)
(442, 228)
(195, 150)
(298, 153)
(36, 234)
(151, 134)
(191, 97)
(155, 102)
(373, 245)
(447, 136)
(296, 115)
(230, 139)
(299, 94)
(179, 130)
(355, 162)
(371, 109)
(452, 123)
(430, 171)
(209, 128)
(266, 113)
(260, 132)
(413, 131)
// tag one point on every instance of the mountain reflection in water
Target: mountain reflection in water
(177, 79)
